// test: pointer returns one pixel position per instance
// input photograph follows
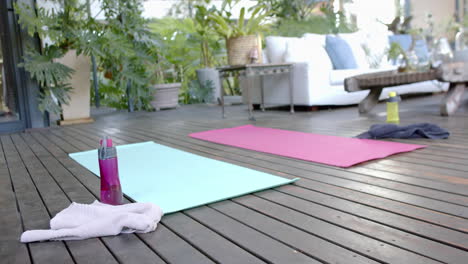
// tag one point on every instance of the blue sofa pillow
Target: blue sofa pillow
(340, 53)
(403, 39)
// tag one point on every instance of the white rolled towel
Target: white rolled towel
(82, 221)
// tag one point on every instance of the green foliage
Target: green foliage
(185, 46)
(62, 26)
(50, 74)
(128, 53)
(125, 49)
(110, 95)
(180, 52)
(395, 51)
(209, 41)
(201, 93)
(318, 24)
(337, 22)
(227, 27)
(292, 10)
(296, 28)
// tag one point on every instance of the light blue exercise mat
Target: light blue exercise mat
(177, 180)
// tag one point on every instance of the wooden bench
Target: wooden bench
(454, 73)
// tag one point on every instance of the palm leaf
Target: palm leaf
(241, 21)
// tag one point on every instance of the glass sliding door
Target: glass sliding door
(8, 98)
(12, 117)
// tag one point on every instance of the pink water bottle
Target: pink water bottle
(111, 191)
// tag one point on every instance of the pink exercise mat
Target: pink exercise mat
(331, 150)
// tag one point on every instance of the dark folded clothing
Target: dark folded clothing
(422, 130)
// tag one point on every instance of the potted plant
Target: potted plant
(62, 67)
(405, 61)
(128, 54)
(208, 77)
(166, 86)
(178, 54)
(242, 37)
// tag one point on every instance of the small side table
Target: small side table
(251, 70)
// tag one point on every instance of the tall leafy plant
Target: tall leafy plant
(66, 26)
(179, 55)
(295, 10)
(209, 41)
(125, 49)
(185, 46)
(128, 53)
(227, 27)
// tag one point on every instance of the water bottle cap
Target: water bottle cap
(106, 149)
(107, 142)
(392, 94)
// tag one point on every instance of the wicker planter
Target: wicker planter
(166, 96)
(239, 49)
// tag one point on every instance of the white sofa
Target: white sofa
(316, 83)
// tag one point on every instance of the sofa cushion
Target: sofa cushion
(356, 41)
(306, 50)
(340, 53)
(276, 47)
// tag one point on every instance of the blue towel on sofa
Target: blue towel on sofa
(421, 130)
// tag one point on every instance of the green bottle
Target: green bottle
(392, 108)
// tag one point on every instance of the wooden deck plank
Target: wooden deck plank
(96, 137)
(220, 249)
(32, 209)
(324, 168)
(332, 132)
(268, 164)
(173, 244)
(11, 251)
(354, 220)
(292, 236)
(360, 244)
(320, 167)
(56, 200)
(428, 228)
(414, 204)
(77, 193)
(399, 178)
(269, 249)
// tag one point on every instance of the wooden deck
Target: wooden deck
(408, 208)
